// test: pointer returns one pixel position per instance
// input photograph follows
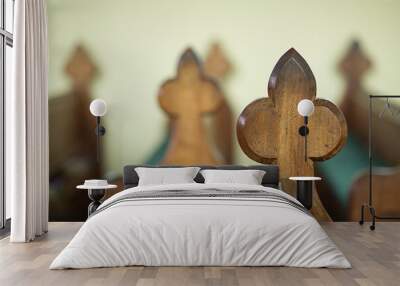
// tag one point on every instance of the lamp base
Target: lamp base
(304, 193)
(303, 130)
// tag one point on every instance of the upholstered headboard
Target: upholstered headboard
(271, 177)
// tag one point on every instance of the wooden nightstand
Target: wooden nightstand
(95, 194)
(304, 189)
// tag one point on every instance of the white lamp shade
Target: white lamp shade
(305, 107)
(98, 107)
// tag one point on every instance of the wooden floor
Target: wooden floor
(375, 257)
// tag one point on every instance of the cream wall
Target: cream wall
(136, 45)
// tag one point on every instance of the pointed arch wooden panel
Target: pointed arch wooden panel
(267, 129)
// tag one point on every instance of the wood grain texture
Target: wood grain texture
(186, 99)
(267, 129)
(375, 258)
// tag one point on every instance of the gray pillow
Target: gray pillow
(163, 176)
(247, 177)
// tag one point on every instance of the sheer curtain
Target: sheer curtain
(27, 160)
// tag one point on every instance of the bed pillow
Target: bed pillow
(247, 177)
(163, 176)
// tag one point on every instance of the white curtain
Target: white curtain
(27, 159)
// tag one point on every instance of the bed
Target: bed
(201, 224)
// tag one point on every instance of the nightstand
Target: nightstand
(304, 189)
(95, 194)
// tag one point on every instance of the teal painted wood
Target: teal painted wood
(340, 171)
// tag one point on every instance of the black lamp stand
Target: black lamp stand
(100, 131)
(303, 131)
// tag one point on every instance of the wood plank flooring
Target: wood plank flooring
(375, 257)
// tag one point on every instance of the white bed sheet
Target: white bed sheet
(200, 231)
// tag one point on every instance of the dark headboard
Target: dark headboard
(271, 177)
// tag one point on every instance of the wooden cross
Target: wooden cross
(186, 99)
(268, 128)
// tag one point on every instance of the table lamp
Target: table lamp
(305, 108)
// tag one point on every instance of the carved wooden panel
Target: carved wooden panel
(386, 195)
(386, 129)
(72, 142)
(81, 69)
(354, 66)
(267, 128)
(186, 98)
(217, 66)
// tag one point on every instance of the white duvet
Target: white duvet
(200, 231)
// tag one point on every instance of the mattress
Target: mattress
(201, 225)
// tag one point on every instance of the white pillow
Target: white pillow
(248, 177)
(163, 176)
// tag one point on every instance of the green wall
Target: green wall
(136, 45)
